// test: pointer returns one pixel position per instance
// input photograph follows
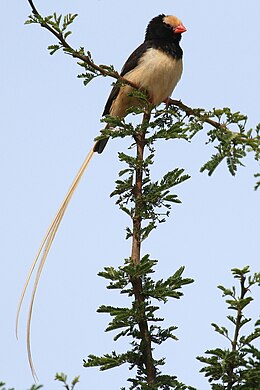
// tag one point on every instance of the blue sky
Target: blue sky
(48, 122)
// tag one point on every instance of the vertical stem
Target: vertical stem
(239, 313)
(145, 346)
(237, 329)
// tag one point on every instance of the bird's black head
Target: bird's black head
(164, 27)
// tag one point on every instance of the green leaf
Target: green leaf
(53, 48)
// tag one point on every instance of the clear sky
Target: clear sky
(48, 121)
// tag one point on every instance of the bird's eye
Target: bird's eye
(168, 26)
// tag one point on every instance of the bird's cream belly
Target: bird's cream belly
(157, 72)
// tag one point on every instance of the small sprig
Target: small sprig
(237, 367)
(57, 24)
(257, 185)
(61, 377)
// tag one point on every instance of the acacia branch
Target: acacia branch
(238, 138)
(76, 54)
(146, 345)
(193, 112)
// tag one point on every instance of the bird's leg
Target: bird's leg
(168, 101)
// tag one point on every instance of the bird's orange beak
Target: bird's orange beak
(180, 29)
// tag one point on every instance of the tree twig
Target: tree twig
(191, 112)
(239, 313)
(74, 53)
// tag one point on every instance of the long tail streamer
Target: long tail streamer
(42, 254)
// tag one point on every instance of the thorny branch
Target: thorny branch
(136, 255)
(74, 53)
(191, 112)
(217, 125)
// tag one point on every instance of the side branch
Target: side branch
(191, 112)
(77, 54)
(241, 137)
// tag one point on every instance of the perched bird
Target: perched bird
(155, 66)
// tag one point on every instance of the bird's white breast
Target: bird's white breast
(158, 72)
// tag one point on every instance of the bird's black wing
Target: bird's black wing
(129, 65)
(134, 58)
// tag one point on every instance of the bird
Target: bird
(155, 66)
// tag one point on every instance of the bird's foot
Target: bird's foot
(168, 101)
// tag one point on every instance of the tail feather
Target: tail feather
(100, 145)
(44, 250)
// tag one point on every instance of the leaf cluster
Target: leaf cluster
(126, 320)
(228, 133)
(237, 367)
(173, 123)
(232, 140)
(163, 382)
(156, 199)
(61, 377)
(59, 25)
